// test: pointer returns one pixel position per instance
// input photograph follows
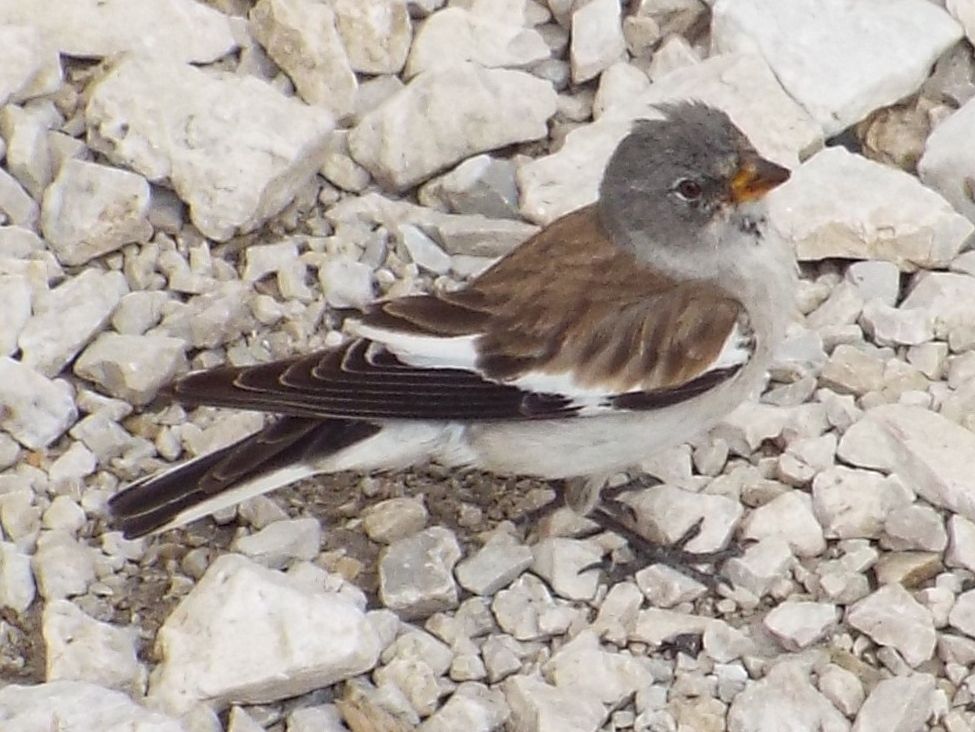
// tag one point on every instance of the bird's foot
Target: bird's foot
(617, 518)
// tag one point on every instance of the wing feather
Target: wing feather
(569, 324)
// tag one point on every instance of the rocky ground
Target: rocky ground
(188, 184)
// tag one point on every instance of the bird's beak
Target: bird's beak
(756, 177)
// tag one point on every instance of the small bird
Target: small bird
(621, 328)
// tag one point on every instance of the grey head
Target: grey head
(685, 188)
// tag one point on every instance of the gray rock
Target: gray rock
(563, 564)
(853, 370)
(446, 115)
(297, 639)
(518, 608)
(949, 297)
(761, 566)
(878, 40)
(132, 367)
(453, 35)
(80, 648)
(35, 410)
(788, 517)
(889, 326)
(181, 29)
(875, 279)
(423, 250)
(892, 617)
(346, 283)
(156, 117)
(668, 512)
(915, 527)
(415, 573)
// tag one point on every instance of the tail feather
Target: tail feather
(277, 455)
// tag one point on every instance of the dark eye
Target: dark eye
(689, 190)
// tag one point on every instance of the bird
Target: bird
(627, 326)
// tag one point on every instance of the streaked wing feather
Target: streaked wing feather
(567, 325)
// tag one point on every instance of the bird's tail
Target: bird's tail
(281, 453)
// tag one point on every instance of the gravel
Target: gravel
(186, 184)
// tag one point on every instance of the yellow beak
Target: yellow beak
(756, 177)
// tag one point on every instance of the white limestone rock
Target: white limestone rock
(15, 304)
(376, 34)
(761, 565)
(948, 160)
(875, 279)
(80, 648)
(949, 297)
(892, 617)
(841, 61)
(67, 317)
(280, 542)
(852, 503)
(196, 131)
(842, 687)
(890, 326)
(31, 67)
(302, 38)
(34, 410)
(90, 210)
(583, 666)
(346, 282)
(667, 512)
(17, 588)
(898, 703)
(416, 573)
(181, 30)
(839, 204)
(77, 705)
(597, 39)
(446, 115)
(928, 452)
(297, 639)
(16, 203)
(25, 130)
(473, 708)
(788, 517)
(563, 563)
(454, 35)
(422, 250)
(479, 185)
(132, 367)
(494, 566)
(797, 624)
(540, 707)
(740, 84)
(784, 693)
(63, 566)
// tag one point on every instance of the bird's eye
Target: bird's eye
(689, 190)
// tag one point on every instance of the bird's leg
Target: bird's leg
(615, 516)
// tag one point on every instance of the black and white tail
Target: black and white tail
(283, 452)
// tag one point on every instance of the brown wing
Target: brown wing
(566, 324)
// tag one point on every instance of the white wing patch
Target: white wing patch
(428, 352)
(737, 349)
